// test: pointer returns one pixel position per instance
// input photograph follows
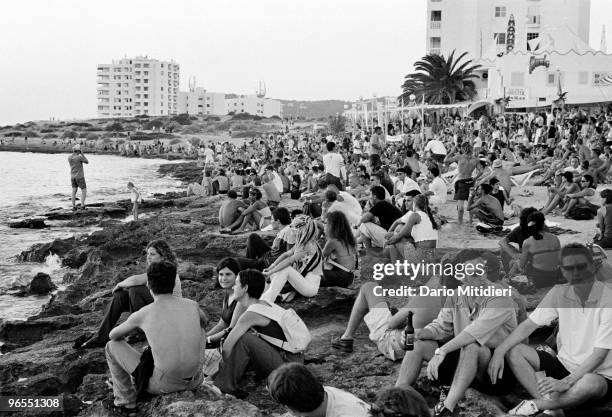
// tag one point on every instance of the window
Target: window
(532, 35)
(500, 11)
(436, 15)
(146, 103)
(146, 88)
(551, 78)
(145, 65)
(517, 79)
(434, 43)
(583, 77)
(146, 72)
(146, 95)
(162, 112)
(500, 38)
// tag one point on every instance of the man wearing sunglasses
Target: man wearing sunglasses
(582, 369)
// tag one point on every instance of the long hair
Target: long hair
(524, 216)
(165, 251)
(539, 221)
(340, 228)
(399, 402)
(307, 231)
(421, 201)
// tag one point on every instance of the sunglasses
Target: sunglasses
(577, 267)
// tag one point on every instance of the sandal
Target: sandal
(344, 345)
(121, 410)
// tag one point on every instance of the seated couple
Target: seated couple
(306, 267)
(486, 208)
(255, 336)
(414, 236)
(174, 330)
(235, 218)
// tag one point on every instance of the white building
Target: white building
(255, 105)
(202, 102)
(549, 50)
(133, 86)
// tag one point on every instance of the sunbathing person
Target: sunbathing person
(340, 252)
(582, 370)
(131, 295)
(302, 266)
(259, 254)
(386, 329)
(243, 347)
(475, 326)
(257, 215)
(539, 258)
(174, 330)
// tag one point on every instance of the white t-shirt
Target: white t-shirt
(408, 185)
(438, 187)
(581, 329)
(277, 181)
(209, 154)
(344, 404)
(349, 206)
(435, 146)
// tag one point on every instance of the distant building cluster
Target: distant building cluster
(136, 86)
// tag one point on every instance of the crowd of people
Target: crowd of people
(327, 203)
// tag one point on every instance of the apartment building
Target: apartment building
(201, 102)
(255, 105)
(135, 86)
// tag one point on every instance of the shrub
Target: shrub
(183, 119)
(80, 124)
(240, 126)
(93, 136)
(93, 129)
(13, 134)
(153, 124)
(30, 133)
(142, 116)
(246, 134)
(46, 130)
(70, 134)
(194, 141)
(212, 119)
(175, 141)
(114, 127)
(50, 136)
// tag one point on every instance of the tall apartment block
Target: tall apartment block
(472, 25)
(134, 86)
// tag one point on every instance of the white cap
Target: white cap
(76, 147)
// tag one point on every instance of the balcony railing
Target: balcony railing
(435, 25)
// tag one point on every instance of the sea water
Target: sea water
(33, 183)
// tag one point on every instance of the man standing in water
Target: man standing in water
(77, 176)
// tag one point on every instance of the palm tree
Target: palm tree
(443, 81)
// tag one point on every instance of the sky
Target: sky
(303, 50)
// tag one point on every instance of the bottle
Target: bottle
(409, 333)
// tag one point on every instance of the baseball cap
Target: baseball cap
(76, 147)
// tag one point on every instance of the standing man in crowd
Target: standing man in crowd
(466, 164)
(77, 175)
(377, 147)
(335, 171)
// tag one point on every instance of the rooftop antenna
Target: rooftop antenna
(192, 84)
(261, 91)
(602, 46)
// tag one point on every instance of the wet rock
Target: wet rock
(187, 172)
(110, 210)
(22, 333)
(31, 223)
(41, 284)
(75, 258)
(38, 252)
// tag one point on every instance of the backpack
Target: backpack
(582, 213)
(295, 331)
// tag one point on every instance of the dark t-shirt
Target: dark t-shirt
(518, 236)
(386, 212)
(228, 310)
(500, 196)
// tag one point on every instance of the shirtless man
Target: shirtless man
(467, 163)
(174, 328)
(487, 208)
(503, 174)
(230, 209)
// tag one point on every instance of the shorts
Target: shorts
(462, 189)
(439, 158)
(78, 183)
(446, 373)
(387, 340)
(555, 369)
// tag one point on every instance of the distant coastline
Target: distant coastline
(50, 149)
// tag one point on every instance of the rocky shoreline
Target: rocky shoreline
(39, 358)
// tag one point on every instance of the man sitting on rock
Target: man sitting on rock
(174, 329)
(582, 369)
(384, 212)
(230, 209)
(487, 208)
(295, 387)
(475, 325)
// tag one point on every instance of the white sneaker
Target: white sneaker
(525, 408)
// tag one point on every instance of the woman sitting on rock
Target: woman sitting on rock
(340, 252)
(131, 295)
(258, 214)
(259, 254)
(227, 270)
(243, 347)
(302, 266)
